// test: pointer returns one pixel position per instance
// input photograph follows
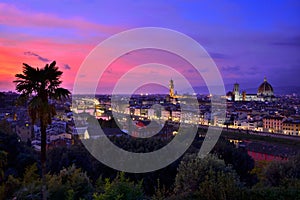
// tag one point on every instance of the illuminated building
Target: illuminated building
(172, 94)
(265, 92)
(291, 127)
(236, 92)
(265, 89)
(171, 88)
(273, 124)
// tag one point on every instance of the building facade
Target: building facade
(273, 124)
(291, 127)
(265, 92)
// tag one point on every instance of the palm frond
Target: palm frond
(60, 93)
(42, 83)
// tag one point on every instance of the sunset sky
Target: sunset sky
(247, 40)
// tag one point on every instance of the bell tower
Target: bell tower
(171, 88)
(236, 92)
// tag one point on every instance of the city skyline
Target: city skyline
(247, 41)
(149, 99)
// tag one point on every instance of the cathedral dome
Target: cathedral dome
(265, 89)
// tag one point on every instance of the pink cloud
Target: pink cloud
(12, 16)
(125, 63)
(12, 55)
(71, 51)
(65, 50)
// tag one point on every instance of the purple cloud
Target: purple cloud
(67, 67)
(43, 59)
(231, 68)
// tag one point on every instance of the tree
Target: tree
(220, 185)
(192, 171)
(30, 184)
(10, 187)
(283, 173)
(238, 158)
(5, 127)
(3, 162)
(39, 85)
(160, 192)
(121, 188)
(206, 178)
(70, 183)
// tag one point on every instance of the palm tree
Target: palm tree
(38, 85)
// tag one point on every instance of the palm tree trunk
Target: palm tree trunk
(43, 159)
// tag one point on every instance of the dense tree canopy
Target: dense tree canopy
(74, 174)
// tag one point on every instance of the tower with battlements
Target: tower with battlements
(171, 88)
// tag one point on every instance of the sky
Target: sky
(247, 40)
